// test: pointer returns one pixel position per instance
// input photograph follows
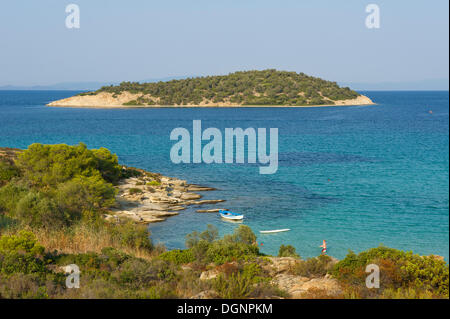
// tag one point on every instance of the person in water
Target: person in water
(324, 247)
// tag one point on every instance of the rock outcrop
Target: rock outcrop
(304, 287)
(152, 198)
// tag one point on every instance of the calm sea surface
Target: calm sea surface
(355, 176)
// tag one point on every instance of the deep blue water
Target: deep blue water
(355, 176)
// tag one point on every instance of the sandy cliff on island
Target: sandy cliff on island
(109, 100)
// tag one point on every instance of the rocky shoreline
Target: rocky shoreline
(152, 197)
(281, 270)
(148, 197)
(109, 100)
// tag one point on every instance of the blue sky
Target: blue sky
(137, 40)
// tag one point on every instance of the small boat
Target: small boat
(274, 231)
(230, 215)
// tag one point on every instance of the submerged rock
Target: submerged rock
(208, 201)
(215, 210)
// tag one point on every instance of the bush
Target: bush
(399, 272)
(287, 251)
(207, 248)
(7, 172)
(255, 273)
(21, 253)
(244, 234)
(314, 267)
(154, 183)
(178, 256)
(58, 184)
(234, 286)
(131, 235)
(134, 190)
(10, 194)
(128, 172)
(222, 251)
(26, 286)
(49, 165)
(108, 165)
(37, 210)
(85, 193)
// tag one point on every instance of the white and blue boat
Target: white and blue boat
(230, 215)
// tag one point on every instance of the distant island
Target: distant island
(242, 89)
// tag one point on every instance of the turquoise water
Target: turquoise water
(355, 176)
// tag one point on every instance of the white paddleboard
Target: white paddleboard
(273, 231)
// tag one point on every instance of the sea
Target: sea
(355, 176)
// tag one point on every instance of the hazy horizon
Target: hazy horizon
(152, 40)
(425, 85)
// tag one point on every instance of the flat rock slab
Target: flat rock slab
(189, 196)
(152, 197)
(208, 201)
(299, 287)
(198, 188)
(215, 210)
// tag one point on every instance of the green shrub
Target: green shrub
(287, 251)
(49, 165)
(132, 102)
(207, 248)
(10, 194)
(134, 190)
(254, 273)
(314, 267)
(128, 172)
(178, 256)
(234, 286)
(157, 292)
(21, 253)
(7, 222)
(244, 234)
(107, 164)
(154, 183)
(38, 210)
(59, 183)
(222, 251)
(7, 172)
(28, 286)
(398, 270)
(129, 234)
(85, 193)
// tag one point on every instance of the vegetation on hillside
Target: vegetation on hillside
(268, 87)
(53, 197)
(402, 274)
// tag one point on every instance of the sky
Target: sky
(144, 39)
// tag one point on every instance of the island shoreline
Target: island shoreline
(205, 106)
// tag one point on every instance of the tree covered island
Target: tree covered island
(244, 88)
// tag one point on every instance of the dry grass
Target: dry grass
(82, 238)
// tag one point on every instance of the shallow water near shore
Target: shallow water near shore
(354, 176)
